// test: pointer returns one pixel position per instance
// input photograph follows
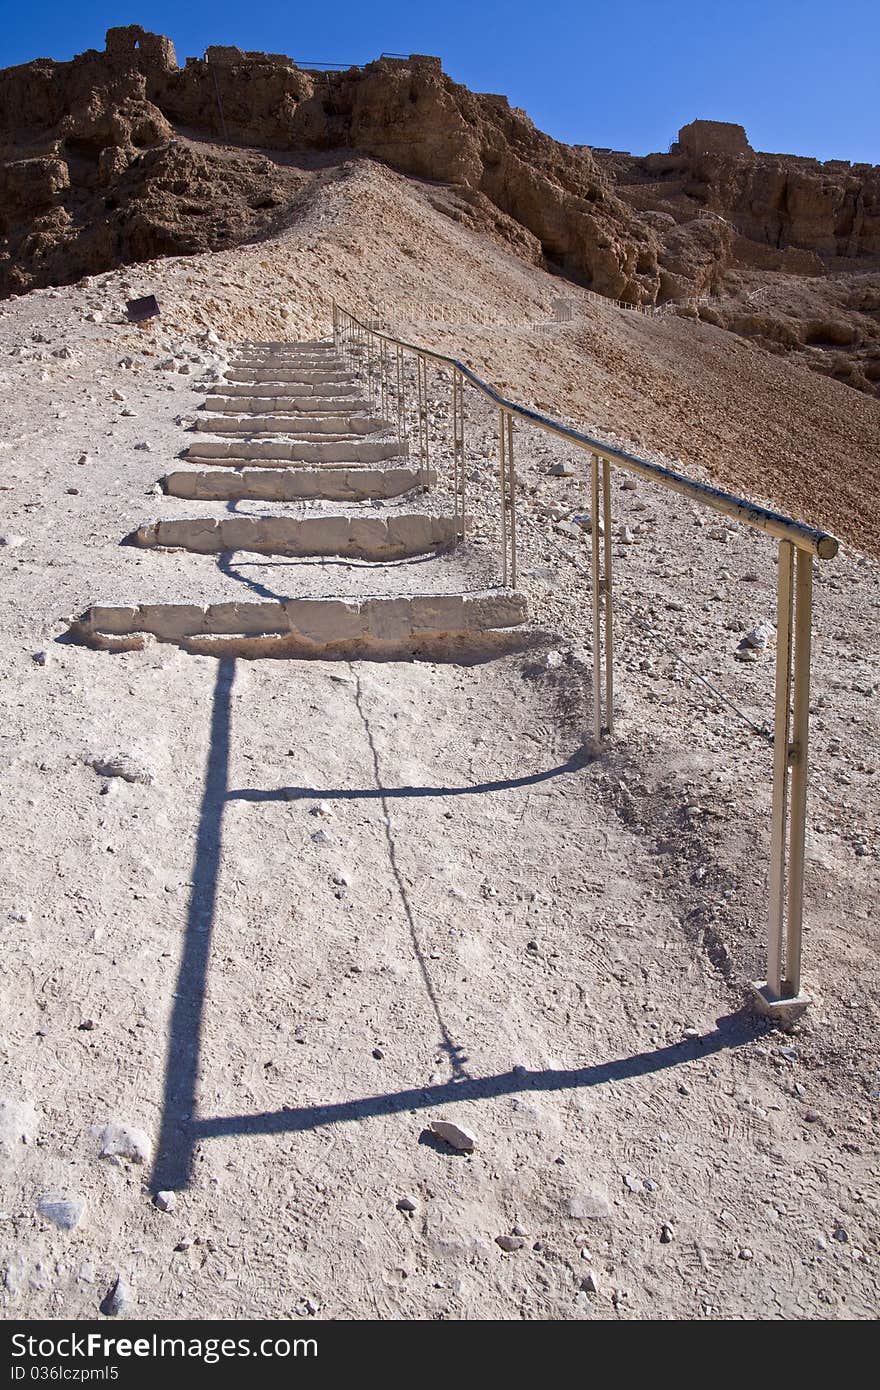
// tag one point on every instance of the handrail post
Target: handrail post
(780, 995)
(781, 734)
(803, 623)
(424, 443)
(597, 603)
(609, 599)
(502, 473)
(458, 451)
(511, 490)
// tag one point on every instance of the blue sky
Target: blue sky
(802, 76)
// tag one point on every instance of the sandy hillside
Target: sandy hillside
(497, 923)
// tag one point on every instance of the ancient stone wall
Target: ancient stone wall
(713, 137)
(132, 46)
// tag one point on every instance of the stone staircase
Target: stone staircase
(308, 474)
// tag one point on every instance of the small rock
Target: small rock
(84, 459)
(120, 1141)
(553, 660)
(87, 1025)
(590, 1283)
(454, 1134)
(625, 536)
(510, 1243)
(841, 1235)
(666, 1235)
(589, 1206)
(561, 470)
(632, 1182)
(38, 658)
(64, 1212)
(405, 1204)
(166, 1201)
(144, 447)
(116, 1298)
(746, 1254)
(19, 1122)
(341, 878)
(323, 809)
(378, 1054)
(124, 765)
(321, 837)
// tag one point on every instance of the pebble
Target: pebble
(116, 1298)
(124, 765)
(84, 459)
(38, 658)
(454, 1134)
(589, 1206)
(405, 1204)
(144, 447)
(341, 878)
(510, 1243)
(561, 470)
(841, 1235)
(117, 1140)
(321, 837)
(19, 1122)
(64, 1212)
(632, 1182)
(666, 1235)
(590, 1283)
(166, 1201)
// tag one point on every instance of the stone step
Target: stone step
(305, 627)
(262, 362)
(292, 424)
(393, 537)
(288, 345)
(268, 452)
(338, 483)
(343, 387)
(266, 405)
(296, 376)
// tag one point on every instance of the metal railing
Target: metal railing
(798, 545)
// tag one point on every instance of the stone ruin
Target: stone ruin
(712, 137)
(132, 46)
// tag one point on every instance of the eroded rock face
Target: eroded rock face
(123, 155)
(110, 120)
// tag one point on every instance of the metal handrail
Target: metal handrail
(816, 542)
(780, 994)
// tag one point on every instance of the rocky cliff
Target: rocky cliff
(123, 155)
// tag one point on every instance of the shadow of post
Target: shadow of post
(177, 1135)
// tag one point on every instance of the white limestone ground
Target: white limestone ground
(409, 892)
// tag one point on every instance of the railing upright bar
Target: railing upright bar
(781, 735)
(401, 398)
(597, 600)
(511, 490)
(424, 443)
(803, 622)
(609, 599)
(502, 472)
